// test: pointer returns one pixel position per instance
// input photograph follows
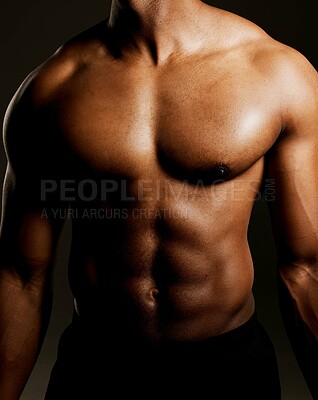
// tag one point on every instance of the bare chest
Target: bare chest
(188, 124)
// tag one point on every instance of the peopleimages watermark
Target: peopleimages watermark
(113, 213)
(143, 190)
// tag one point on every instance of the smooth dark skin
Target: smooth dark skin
(162, 92)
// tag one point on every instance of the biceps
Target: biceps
(294, 167)
(28, 239)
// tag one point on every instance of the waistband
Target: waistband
(241, 334)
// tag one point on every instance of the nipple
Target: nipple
(222, 169)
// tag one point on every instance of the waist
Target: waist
(160, 324)
(161, 307)
(79, 338)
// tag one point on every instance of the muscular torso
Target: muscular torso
(165, 162)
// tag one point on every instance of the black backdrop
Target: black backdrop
(31, 31)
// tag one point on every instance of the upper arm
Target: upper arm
(29, 234)
(35, 153)
(293, 164)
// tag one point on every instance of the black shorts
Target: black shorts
(240, 364)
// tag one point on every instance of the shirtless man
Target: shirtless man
(156, 129)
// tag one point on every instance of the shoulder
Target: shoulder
(41, 86)
(27, 111)
(255, 46)
(287, 73)
(292, 80)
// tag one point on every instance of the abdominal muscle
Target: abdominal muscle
(164, 279)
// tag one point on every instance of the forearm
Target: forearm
(24, 315)
(298, 294)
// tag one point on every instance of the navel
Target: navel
(154, 294)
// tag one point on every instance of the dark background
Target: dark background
(31, 31)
